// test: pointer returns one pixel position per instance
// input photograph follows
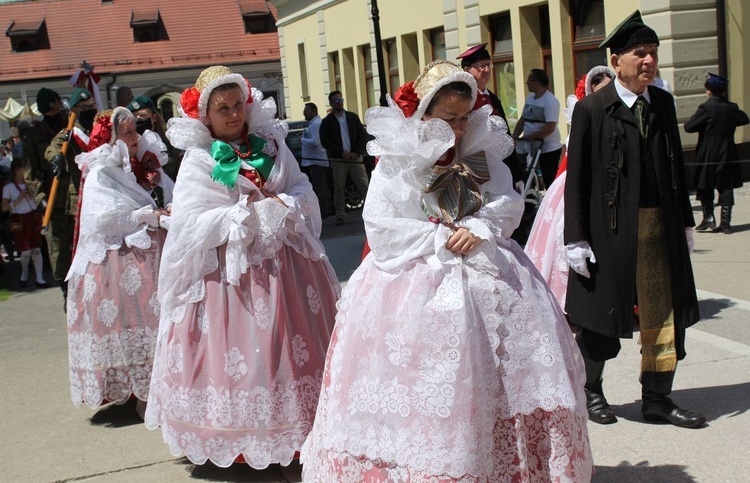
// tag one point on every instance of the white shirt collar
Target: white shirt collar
(628, 97)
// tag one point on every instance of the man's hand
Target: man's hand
(577, 254)
(58, 165)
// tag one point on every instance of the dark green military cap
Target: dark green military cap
(631, 32)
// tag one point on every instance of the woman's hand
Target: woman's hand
(253, 196)
(462, 241)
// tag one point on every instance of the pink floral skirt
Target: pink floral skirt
(240, 373)
(113, 319)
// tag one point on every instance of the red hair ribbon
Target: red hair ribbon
(407, 99)
(101, 133)
(189, 102)
(581, 88)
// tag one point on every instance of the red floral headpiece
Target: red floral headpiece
(581, 88)
(407, 99)
(102, 130)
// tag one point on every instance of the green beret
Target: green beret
(45, 100)
(631, 32)
(141, 102)
(79, 94)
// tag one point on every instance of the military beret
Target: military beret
(631, 32)
(79, 94)
(478, 52)
(45, 100)
(141, 102)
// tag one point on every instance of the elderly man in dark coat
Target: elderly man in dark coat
(628, 212)
(715, 121)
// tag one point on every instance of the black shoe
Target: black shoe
(24, 283)
(42, 285)
(706, 224)
(600, 411)
(668, 412)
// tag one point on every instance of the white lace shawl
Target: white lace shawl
(111, 195)
(397, 228)
(206, 214)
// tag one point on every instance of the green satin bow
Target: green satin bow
(228, 163)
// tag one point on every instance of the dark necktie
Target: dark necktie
(640, 112)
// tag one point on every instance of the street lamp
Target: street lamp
(379, 53)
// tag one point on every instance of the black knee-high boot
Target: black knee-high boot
(657, 407)
(726, 218)
(709, 222)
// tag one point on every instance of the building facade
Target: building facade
(329, 45)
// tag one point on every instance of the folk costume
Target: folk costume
(247, 293)
(715, 121)
(626, 201)
(112, 311)
(545, 246)
(461, 368)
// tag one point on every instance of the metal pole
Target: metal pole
(379, 53)
(721, 36)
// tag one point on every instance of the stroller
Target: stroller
(528, 153)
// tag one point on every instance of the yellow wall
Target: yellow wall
(738, 20)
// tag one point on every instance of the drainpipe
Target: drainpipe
(109, 90)
(721, 35)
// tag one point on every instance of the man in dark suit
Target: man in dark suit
(344, 137)
(627, 210)
(715, 121)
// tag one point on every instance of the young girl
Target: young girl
(25, 224)
(450, 359)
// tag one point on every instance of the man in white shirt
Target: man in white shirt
(539, 121)
(315, 159)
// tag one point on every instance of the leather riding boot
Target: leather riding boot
(726, 217)
(657, 407)
(709, 222)
(598, 408)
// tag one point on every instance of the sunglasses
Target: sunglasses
(338, 101)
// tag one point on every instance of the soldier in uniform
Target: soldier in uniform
(148, 118)
(38, 172)
(60, 229)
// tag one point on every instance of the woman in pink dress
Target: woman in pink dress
(450, 359)
(112, 311)
(247, 293)
(545, 245)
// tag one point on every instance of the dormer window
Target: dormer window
(257, 17)
(28, 36)
(147, 26)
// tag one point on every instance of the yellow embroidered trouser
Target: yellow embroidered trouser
(654, 291)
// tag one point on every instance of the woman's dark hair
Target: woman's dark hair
(541, 77)
(461, 89)
(598, 78)
(15, 164)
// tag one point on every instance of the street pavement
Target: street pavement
(43, 438)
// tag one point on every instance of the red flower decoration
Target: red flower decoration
(146, 170)
(101, 133)
(189, 102)
(581, 88)
(407, 99)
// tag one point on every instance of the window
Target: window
(391, 50)
(257, 17)
(504, 69)
(588, 32)
(437, 43)
(147, 26)
(335, 71)
(369, 82)
(546, 44)
(303, 72)
(28, 36)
